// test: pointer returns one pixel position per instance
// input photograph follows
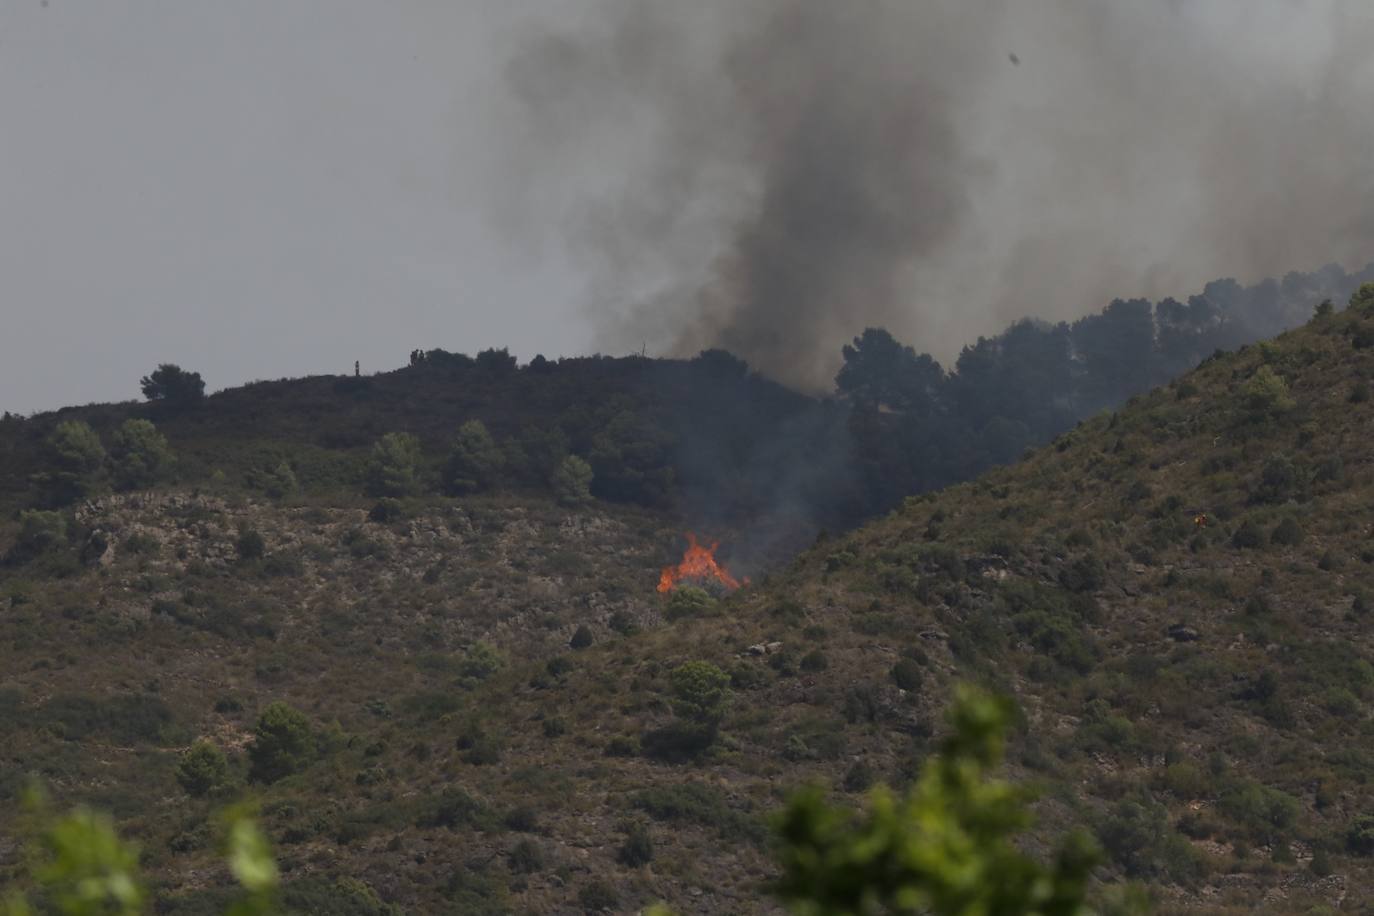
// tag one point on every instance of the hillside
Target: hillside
(700, 440)
(1176, 593)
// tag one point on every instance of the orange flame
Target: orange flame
(698, 563)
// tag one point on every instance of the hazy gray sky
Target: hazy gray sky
(253, 189)
(263, 188)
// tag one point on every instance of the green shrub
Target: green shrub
(814, 660)
(1281, 480)
(251, 545)
(701, 693)
(701, 804)
(480, 661)
(475, 461)
(623, 622)
(1185, 781)
(689, 601)
(453, 808)
(1266, 814)
(479, 746)
(1248, 536)
(638, 848)
(202, 769)
(581, 638)
(1362, 300)
(1137, 835)
(283, 743)
(858, 777)
(121, 719)
(40, 532)
(839, 560)
(526, 857)
(597, 895)
(386, 510)
(1359, 836)
(1058, 636)
(1287, 533)
(748, 676)
(393, 468)
(622, 746)
(276, 482)
(141, 456)
(572, 481)
(1339, 701)
(1102, 731)
(1331, 470)
(907, 674)
(1086, 574)
(1266, 394)
(76, 458)
(522, 819)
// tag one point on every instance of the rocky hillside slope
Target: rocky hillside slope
(1177, 594)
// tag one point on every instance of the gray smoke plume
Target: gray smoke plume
(771, 176)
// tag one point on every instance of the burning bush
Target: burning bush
(698, 565)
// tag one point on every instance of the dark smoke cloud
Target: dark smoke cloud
(771, 176)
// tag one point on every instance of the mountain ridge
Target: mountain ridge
(1176, 593)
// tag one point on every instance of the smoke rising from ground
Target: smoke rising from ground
(771, 176)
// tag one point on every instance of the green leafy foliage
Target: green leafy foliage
(475, 462)
(701, 693)
(572, 481)
(251, 863)
(76, 462)
(1136, 834)
(81, 867)
(283, 743)
(945, 848)
(393, 469)
(1362, 300)
(277, 482)
(689, 601)
(1280, 480)
(638, 848)
(1266, 394)
(250, 545)
(40, 532)
(581, 638)
(202, 769)
(171, 384)
(597, 895)
(1287, 533)
(84, 867)
(1359, 837)
(140, 455)
(907, 674)
(480, 661)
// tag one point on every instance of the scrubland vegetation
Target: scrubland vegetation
(450, 691)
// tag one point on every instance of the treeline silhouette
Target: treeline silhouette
(707, 439)
(916, 426)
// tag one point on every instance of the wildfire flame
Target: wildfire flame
(698, 563)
